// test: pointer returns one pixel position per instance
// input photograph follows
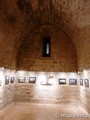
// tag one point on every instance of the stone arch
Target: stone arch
(63, 53)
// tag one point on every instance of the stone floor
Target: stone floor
(25, 111)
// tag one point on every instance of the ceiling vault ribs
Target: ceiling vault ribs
(23, 5)
(44, 14)
(18, 18)
(45, 11)
(7, 16)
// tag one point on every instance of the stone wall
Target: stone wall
(18, 26)
(6, 96)
(6, 90)
(70, 16)
(84, 49)
(63, 54)
(39, 92)
(85, 90)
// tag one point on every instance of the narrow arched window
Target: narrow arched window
(46, 47)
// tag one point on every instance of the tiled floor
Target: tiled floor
(20, 111)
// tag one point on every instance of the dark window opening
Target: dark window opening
(46, 47)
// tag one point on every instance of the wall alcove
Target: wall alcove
(62, 55)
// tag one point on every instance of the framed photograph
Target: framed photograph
(86, 81)
(81, 82)
(11, 79)
(21, 80)
(62, 81)
(6, 80)
(32, 79)
(0, 83)
(72, 81)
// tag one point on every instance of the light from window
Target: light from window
(46, 47)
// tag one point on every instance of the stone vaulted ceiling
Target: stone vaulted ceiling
(18, 18)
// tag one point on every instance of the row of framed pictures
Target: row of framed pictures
(31, 80)
(71, 81)
(61, 81)
(8, 80)
(20, 80)
(74, 82)
(84, 81)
